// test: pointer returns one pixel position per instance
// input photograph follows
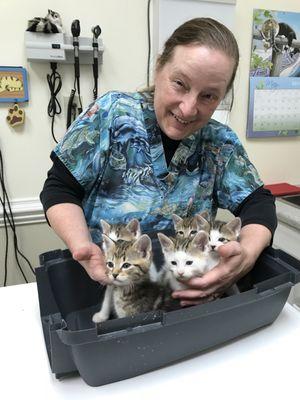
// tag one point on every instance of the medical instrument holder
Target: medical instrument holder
(58, 47)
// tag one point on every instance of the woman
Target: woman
(149, 155)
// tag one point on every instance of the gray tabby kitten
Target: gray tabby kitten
(189, 226)
(120, 231)
(127, 232)
(130, 290)
(185, 258)
(221, 233)
(50, 24)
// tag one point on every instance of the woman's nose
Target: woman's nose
(189, 106)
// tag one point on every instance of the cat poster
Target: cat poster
(13, 85)
(274, 88)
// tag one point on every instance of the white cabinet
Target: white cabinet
(287, 238)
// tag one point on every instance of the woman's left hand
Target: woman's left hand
(235, 263)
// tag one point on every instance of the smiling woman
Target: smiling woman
(189, 88)
(151, 154)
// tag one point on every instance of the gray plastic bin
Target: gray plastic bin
(122, 348)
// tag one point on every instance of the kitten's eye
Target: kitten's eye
(109, 264)
(180, 232)
(222, 239)
(190, 262)
(193, 232)
(173, 262)
(126, 265)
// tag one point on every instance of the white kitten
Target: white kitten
(185, 258)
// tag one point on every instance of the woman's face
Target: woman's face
(189, 88)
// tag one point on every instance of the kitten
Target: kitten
(185, 258)
(189, 226)
(127, 232)
(120, 231)
(286, 31)
(130, 290)
(221, 233)
(50, 24)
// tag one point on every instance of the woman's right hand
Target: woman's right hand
(68, 221)
(92, 259)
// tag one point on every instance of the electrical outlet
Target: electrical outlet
(76, 104)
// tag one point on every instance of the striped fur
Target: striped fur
(188, 226)
(131, 290)
(223, 232)
(120, 231)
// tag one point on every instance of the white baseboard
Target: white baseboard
(25, 211)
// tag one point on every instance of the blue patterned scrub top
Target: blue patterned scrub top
(115, 151)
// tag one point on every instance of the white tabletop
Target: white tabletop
(261, 365)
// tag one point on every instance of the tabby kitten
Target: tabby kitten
(120, 231)
(130, 290)
(189, 226)
(221, 233)
(185, 258)
(50, 24)
(127, 232)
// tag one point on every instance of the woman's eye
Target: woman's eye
(125, 265)
(173, 262)
(209, 97)
(189, 263)
(178, 82)
(109, 264)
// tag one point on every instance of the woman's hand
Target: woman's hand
(68, 221)
(237, 259)
(91, 258)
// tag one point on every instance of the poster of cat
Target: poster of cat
(274, 87)
(13, 85)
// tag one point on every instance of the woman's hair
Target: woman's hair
(206, 32)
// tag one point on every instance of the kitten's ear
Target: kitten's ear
(176, 219)
(200, 240)
(143, 245)
(165, 242)
(108, 244)
(205, 214)
(235, 226)
(105, 227)
(134, 227)
(202, 223)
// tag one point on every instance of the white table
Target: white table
(261, 365)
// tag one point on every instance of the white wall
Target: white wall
(26, 149)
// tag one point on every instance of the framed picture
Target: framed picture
(13, 85)
(274, 91)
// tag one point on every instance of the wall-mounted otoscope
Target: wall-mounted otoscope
(75, 29)
(96, 30)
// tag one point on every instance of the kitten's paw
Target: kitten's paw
(99, 317)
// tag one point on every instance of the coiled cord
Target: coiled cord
(55, 84)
